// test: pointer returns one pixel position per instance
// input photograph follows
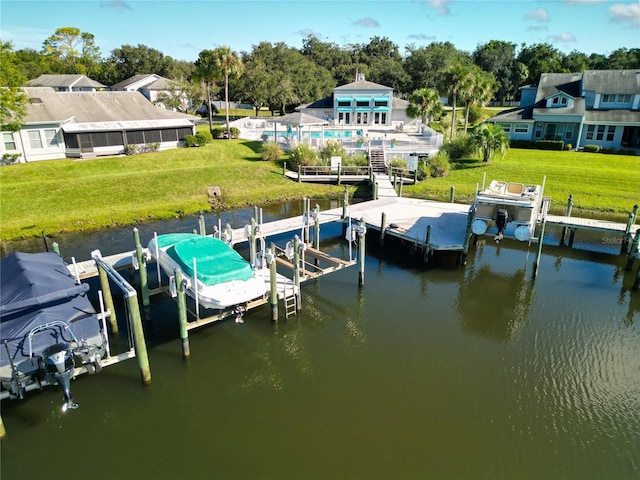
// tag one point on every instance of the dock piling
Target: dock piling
(253, 246)
(452, 194)
(634, 252)
(316, 228)
(345, 204)
(536, 265)
(203, 230)
(362, 230)
(273, 276)
(427, 242)
(567, 214)
(138, 338)
(296, 270)
(627, 233)
(182, 313)
(108, 298)
(56, 248)
(383, 227)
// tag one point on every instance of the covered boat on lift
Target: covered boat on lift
(48, 328)
(217, 276)
(507, 209)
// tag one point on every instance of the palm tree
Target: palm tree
(490, 139)
(480, 91)
(456, 78)
(207, 72)
(229, 64)
(424, 103)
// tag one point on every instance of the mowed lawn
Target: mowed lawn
(601, 184)
(74, 195)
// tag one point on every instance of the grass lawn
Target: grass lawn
(75, 195)
(603, 185)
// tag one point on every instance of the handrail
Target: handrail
(364, 170)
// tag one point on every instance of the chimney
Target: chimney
(359, 77)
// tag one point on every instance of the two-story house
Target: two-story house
(360, 103)
(597, 107)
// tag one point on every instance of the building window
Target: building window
(51, 138)
(568, 135)
(169, 135)
(362, 103)
(600, 133)
(611, 130)
(590, 131)
(9, 141)
(344, 103)
(506, 127)
(521, 128)
(380, 103)
(35, 141)
(383, 120)
(152, 136)
(538, 132)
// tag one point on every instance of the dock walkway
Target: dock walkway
(586, 224)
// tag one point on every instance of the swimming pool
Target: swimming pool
(330, 134)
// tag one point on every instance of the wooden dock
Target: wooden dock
(587, 224)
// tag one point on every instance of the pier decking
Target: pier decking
(586, 224)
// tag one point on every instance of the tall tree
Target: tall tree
(426, 65)
(457, 78)
(541, 58)
(229, 64)
(499, 59)
(76, 50)
(128, 60)
(208, 73)
(478, 91)
(424, 103)
(13, 101)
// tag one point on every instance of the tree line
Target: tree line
(280, 77)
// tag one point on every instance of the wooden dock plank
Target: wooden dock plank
(586, 223)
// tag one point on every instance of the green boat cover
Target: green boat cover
(216, 262)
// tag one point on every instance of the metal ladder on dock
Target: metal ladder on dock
(290, 303)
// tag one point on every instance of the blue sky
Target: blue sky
(182, 29)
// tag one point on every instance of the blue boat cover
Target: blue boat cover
(36, 289)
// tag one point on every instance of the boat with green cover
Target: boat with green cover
(217, 276)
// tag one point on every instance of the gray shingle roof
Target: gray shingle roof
(46, 106)
(362, 85)
(64, 81)
(612, 81)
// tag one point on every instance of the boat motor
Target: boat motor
(58, 368)
(502, 217)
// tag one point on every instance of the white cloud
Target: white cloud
(625, 13)
(367, 22)
(539, 15)
(563, 37)
(441, 6)
(117, 4)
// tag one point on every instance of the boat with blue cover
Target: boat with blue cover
(217, 276)
(49, 330)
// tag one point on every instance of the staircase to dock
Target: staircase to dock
(376, 161)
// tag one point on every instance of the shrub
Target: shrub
(217, 132)
(303, 155)
(190, 141)
(132, 149)
(568, 146)
(8, 158)
(203, 138)
(271, 152)
(460, 147)
(333, 148)
(359, 159)
(591, 148)
(235, 132)
(152, 147)
(438, 165)
(398, 162)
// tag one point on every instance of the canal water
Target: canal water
(437, 371)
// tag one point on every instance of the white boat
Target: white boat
(217, 276)
(507, 209)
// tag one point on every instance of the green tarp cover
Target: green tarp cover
(216, 262)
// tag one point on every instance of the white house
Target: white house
(151, 86)
(360, 103)
(90, 124)
(596, 107)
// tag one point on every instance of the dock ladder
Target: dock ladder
(290, 303)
